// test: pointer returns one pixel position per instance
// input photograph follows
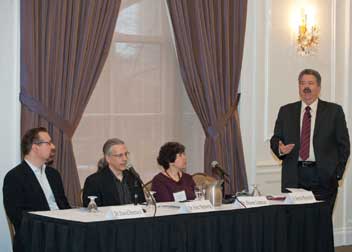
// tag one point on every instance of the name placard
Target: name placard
(249, 202)
(196, 206)
(300, 197)
(125, 212)
(180, 196)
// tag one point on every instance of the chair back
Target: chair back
(203, 179)
(81, 197)
(11, 229)
(148, 186)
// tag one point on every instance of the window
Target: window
(139, 97)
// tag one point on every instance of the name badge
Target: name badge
(300, 197)
(180, 196)
(249, 202)
(196, 206)
(125, 212)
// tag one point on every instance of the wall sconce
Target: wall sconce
(308, 34)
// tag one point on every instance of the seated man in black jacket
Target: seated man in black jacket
(32, 185)
(113, 184)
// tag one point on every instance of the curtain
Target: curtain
(64, 45)
(209, 38)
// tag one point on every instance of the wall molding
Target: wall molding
(254, 94)
(248, 88)
(268, 163)
(267, 171)
(343, 236)
(265, 167)
(267, 37)
(333, 51)
(347, 55)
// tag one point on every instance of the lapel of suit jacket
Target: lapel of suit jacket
(33, 183)
(51, 179)
(318, 118)
(110, 183)
(297, 120)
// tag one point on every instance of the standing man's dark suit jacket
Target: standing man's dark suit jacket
(23, 193)
(330, 141)
(102, 184)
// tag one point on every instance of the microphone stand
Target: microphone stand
(225, 200)
(222, 176)
(135, 195)
(133, 171)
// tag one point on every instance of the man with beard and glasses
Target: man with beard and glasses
(311, 138)
(33, 185)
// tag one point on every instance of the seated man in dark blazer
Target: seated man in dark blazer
(113, 183)
(32, 185)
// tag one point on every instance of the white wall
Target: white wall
(9, 106)
(269, 80)
(269, 75)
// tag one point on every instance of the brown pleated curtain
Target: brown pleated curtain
(64, 45)
(209, 37)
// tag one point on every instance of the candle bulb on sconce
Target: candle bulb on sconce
(308, 35)
(303, 26)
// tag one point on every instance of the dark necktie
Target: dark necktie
(305, 135)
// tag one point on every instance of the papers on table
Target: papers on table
(299, 196)
(251, 201)
(196, 206)
(125, 212)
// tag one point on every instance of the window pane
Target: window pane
(140, 18)
(136, 82)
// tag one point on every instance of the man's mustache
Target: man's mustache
(307, 90)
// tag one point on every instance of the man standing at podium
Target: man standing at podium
(311, 138)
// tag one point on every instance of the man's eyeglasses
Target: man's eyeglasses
(126, 154)
(44, 142)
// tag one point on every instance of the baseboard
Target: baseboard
(343, 236)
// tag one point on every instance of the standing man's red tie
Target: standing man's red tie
(305, 135)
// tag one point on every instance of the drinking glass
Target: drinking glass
(92, 206)
(199, 192)
(255, 191)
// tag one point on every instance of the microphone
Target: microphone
(215, 165)
(129, 167)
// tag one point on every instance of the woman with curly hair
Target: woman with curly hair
(173, 180)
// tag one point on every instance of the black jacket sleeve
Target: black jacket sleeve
(278, 135)
(91, 188)
(13, 201)
(343, 142)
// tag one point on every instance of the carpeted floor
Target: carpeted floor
(344, 249)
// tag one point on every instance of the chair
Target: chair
(202, 179)
(147, 186)
(81, 197)
(11, 229)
